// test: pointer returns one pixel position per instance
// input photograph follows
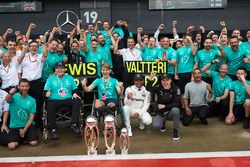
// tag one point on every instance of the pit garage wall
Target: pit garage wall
(136, 11)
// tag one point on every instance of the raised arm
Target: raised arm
(176, 36)
(28, 32)
(139, 31)
(156, 34)
(7, 33)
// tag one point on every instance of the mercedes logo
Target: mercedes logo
(66, 20)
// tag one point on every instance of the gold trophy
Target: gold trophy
(124, 141)
(91, 133)
(109, 134)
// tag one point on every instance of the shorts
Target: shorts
(111, 100)
(30, 135)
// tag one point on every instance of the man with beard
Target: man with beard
(220, 90)
(196, 97)
(239, 104)
(105, 49)
(73, 53)
(206, 56)
(22, 114)
(234, 56)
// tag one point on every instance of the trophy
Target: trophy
(124, 141)
(91, 133)
(109, 134)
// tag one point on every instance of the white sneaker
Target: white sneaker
(130, 132)
(141, 125)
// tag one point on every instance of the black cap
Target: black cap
(165, 76)
(59, 64)
(138, 77)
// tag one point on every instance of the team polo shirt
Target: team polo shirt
(60, 88)
(9, 74)
(4, 106)
(95, 57)
(150, 54)
(185, 59)
(106, 53)
(106, 36)
(88, 38)
(50, 63)
(107, 88)
(240, 93)
(130, 55)
(234, 59)
(20, 110)
(204, 57)
(171, 55)
(121, 33)
(32, 66)
(246, 47)
(219, 84)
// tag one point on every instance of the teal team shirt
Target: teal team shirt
(121, 33)
(219, 85)
(150, 54)
(171, 55)
(204, 57)
(88, 38)
(20, 110)
(246, 47)
(95, 57)
(240, 93)
(106, 87)
(60, 88)
(234, 59)
(185, 59)
(50, 63)
(106, 53)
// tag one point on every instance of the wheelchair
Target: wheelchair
(63, 120)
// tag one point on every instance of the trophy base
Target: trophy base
(124, 152)
(92, 152)
(110, 152)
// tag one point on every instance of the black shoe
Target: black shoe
(75, 129)
(246, 123)
(204, 122)
(176, 135)
(54, 135)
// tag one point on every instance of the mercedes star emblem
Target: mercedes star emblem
(66, 20)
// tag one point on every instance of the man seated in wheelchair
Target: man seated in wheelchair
(108, 89)
(61, 91)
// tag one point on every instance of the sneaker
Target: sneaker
(176, 135)
(54, 135)
(130, 132)
(204, 122)
(163, 129)
(141, 125)
(75, 129)
(246, 123)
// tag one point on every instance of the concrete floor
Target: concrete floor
(195, 138)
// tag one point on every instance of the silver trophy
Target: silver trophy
(109, 134)
(124, 141)
(91, 133)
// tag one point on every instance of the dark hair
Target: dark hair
(242, 68)
(23, 80)
(94, 40)
(12, 40)
(54, 39)
(196, 69)
(33, 41)
(208, 38)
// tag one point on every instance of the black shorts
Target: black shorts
(184, 78)
(111, 100)
(30, 135)
(239, 112)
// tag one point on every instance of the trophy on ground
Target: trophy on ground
(124, 141)
(109, 134)
(91, 133)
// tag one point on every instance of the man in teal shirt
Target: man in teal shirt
(235, 56)
(239, 92)
(108, 88)
(220, 90)
(206, 56)
(61, 91)
(22, 113)
(246, 46)
(105, 49)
